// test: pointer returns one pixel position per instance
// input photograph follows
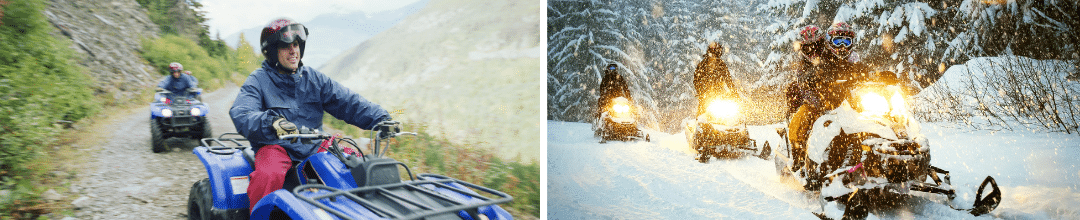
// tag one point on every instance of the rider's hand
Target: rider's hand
(284, 127)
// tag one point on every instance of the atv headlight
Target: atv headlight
(162, 99)
(166, 113)
(873, 104)
(723, 109)
(196, 112)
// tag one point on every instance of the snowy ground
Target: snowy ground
(1039, 176)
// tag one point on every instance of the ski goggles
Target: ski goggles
(841, 41)
(612, 67)
(287, 34)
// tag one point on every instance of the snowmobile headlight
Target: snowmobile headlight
(166, 113)
(621, 108)
(724, 109)
(873, 104)
(899, 106)
(196, 112)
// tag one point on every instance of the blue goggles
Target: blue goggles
(841, 41)
(612, 67)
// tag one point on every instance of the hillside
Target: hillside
(106, 37)
(470, 70)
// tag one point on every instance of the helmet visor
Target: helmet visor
(291, 33)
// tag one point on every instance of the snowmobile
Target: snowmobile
(335, 184)
(719, 131)
(869, 151)
(617, 122)
(177, 115)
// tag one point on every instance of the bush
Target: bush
(1007, 92)
(39, 88)
(429, 154)
(171, 48)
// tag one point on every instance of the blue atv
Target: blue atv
(178, 115)
(334, 185)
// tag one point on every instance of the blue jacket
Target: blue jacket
(301, 98)
(179, 85)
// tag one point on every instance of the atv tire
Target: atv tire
(199, 200)
(206, 131)
(157, 139)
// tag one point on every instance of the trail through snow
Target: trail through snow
(1039, 176)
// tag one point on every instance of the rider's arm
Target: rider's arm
(250, 119)
(347, 105)
(194, 82)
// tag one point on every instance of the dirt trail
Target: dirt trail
(124, 179)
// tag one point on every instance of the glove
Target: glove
(284, 127)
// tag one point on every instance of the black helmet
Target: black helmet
(282, 31)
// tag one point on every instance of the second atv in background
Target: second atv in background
(718, 129)
(615, 115)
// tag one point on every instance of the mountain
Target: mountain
(471, 70)
(330, 34)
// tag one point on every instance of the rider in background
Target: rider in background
(711, 77)
(612, 85)
(284, 95)
(177, 82)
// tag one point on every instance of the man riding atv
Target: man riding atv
(284, 95)
(178, 83)
(614, 112)
(717, 129)
(177, 111)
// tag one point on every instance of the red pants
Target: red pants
(271, 164)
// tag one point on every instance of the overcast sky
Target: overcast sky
(231, 16)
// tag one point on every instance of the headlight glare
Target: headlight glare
(873, 104)
(196, 112)
(166, 113)
(899, 106)
(621, 108)
(723, 108)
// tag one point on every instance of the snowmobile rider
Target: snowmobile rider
(711, 78)
(809, 48)
(177, 82)
(815, 76)
(284, 95)
(612, 85)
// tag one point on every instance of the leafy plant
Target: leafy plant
(40, 87)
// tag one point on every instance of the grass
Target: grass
(430, 154)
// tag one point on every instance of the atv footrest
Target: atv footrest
(430, 196)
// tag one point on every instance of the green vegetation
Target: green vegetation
(41, 90)
(211, 70)
(429, 154)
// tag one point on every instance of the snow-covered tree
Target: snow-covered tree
(657, 45)
(920, 39)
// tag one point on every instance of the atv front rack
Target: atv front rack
(404, 200)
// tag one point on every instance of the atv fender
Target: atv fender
(288, 204)
(228, 173)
